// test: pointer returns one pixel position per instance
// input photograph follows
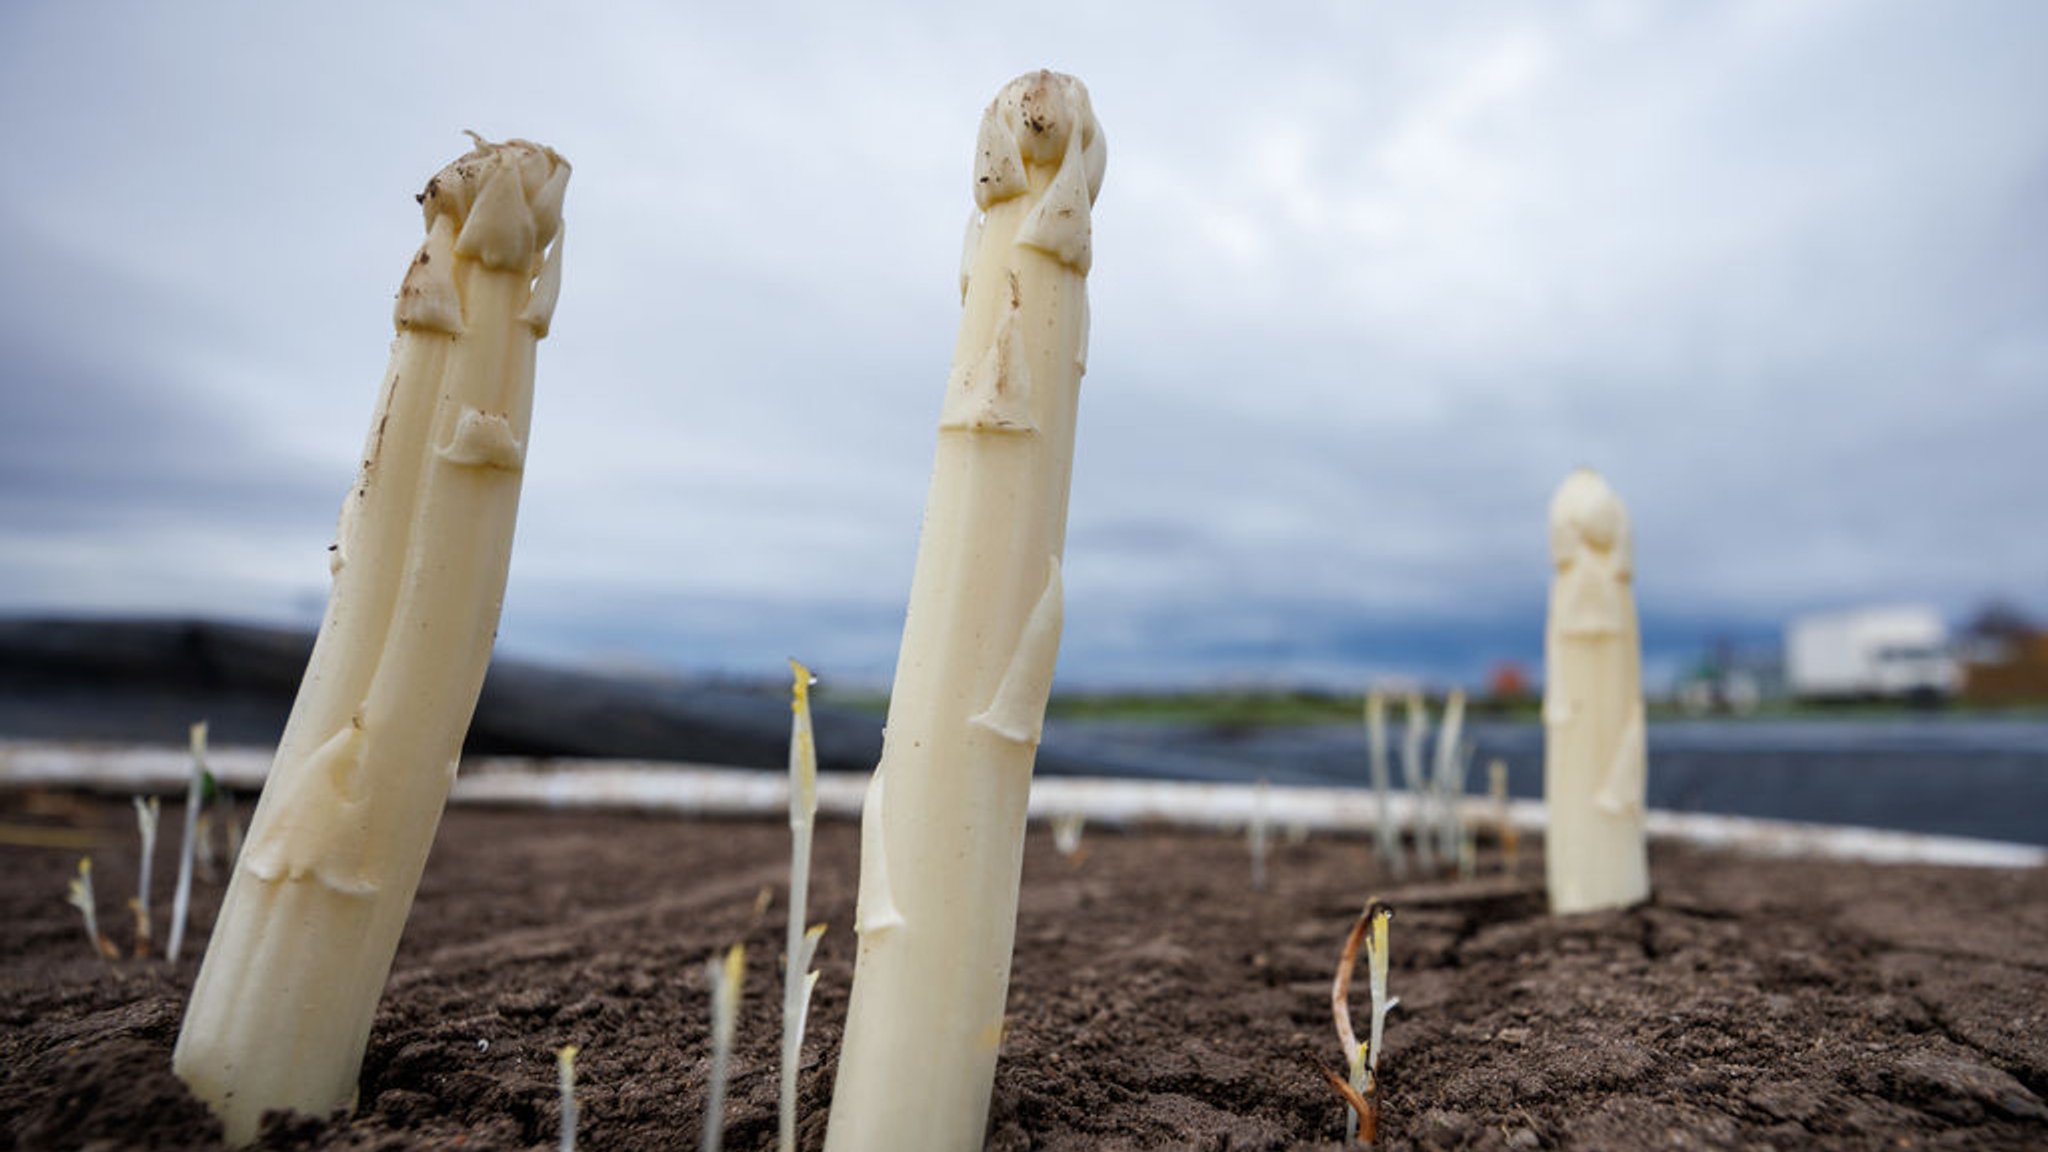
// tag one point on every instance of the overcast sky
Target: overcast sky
(1370, 279)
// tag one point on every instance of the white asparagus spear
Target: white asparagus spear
(181, 898)
(942, 832)
(281, 1011)
(1594, 759)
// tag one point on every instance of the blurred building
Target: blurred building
(2004, 659)
(1882, 653)
(1733, 679)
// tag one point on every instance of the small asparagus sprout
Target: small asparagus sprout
(565, 1075)
(148, 814)
(728, 978)
(1362, 1061)
(81, 898)
(1388, 838)
(216, 813)
(281, 1010)
(1258, 834)
(1066, 835)
(217, 816)
(797, 978)
(1503, 827)
(1457, 833)
(195, 795)
(1413, 735)
(204, 866)
(230, 820)
(1448, 783)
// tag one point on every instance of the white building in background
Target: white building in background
(1894, 652)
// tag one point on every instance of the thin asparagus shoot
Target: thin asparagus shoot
(148, 813)
(1510, 839)
(1468, 832)
(1457, 832)
(728, 978)
(1259, 834)
(1414, 733)
(1360, 1088)
(195, 795)
(565, 1075)
(1066, 835)
(1376, 982)
(80, 897)
(229, 820)
(204, 867)
(1388, 837)
(797, 978)
(1449, 784)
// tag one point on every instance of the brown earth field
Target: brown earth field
(1156, 1002)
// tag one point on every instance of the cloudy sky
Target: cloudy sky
(1369, 280)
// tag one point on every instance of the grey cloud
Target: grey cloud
(97, 436)
(1368, 283)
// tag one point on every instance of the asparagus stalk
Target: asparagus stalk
(1503, 827)
(223, 814)
(281, 1010)
(1066, 834)
(79, 895)
(1450, 775)
(797, 978)
(148, 814)
(942, 831)
(1414, 733)
(1376, 987)
(1360, 1087)
(728, 984)
(565, 1084)
(203, 863)
(181, 898)
(1468, 850)
(1594, 755)
(1387, 838)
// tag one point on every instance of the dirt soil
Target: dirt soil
(1157, 1002)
